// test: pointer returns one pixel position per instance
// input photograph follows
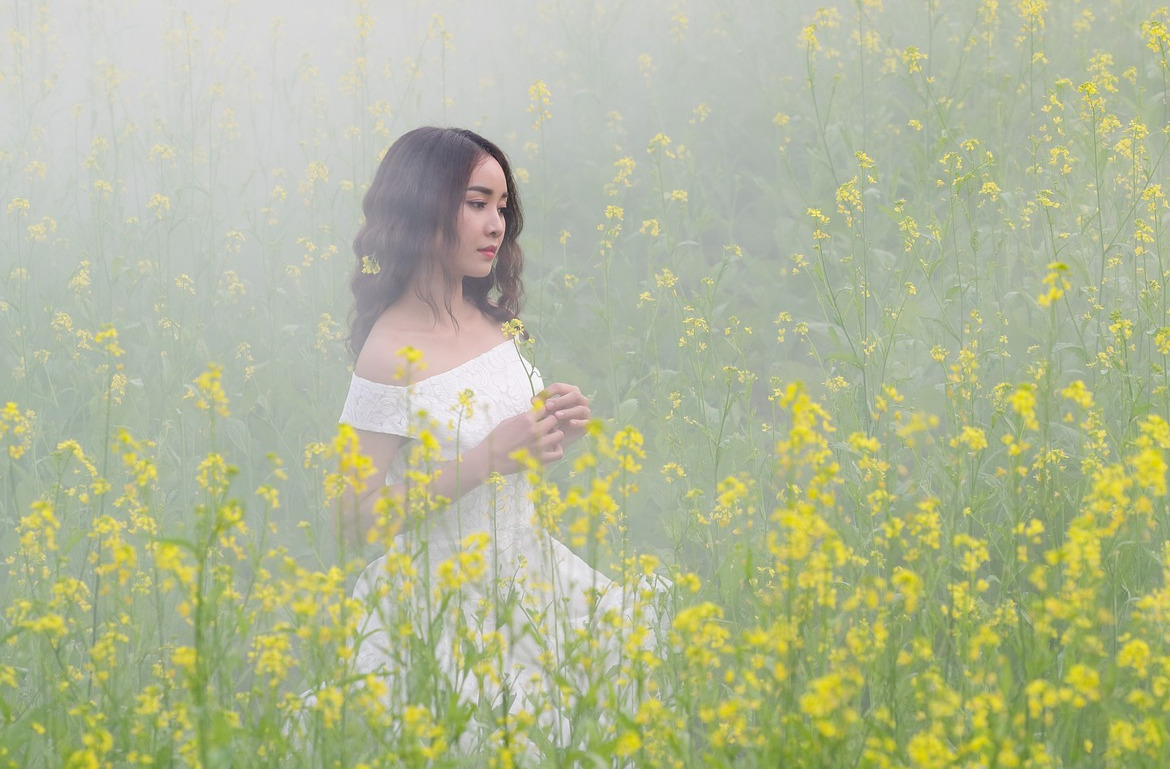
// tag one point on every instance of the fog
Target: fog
(869, 298)
(260, 126)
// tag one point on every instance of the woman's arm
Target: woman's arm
(355, 515)
(535, 432)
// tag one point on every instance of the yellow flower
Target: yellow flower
(464, 566)
(1078, 394)
(627, 744)
(660, 141)
(80, 280)
(185, 657)
(1023, 402)
(38, 530)
(913, 58)
(1056, 282)
(819, 221)
(108, 336)
(971, 437)
(514, 329)
(1085, 683)
(17, 424)
(315, 171)
(539, 101)
(700, 633)
(208, 391)
(160, 204)
(1136, 655)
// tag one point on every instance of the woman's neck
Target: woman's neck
(436, 314)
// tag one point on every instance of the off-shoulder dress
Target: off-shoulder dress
(476, 597)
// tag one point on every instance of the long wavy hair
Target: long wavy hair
(411, 207)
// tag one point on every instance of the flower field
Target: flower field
(870, 299)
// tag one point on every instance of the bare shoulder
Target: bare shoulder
(398, 351)
(390, 355)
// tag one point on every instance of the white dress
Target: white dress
(475, 600)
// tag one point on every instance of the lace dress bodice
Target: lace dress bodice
(459, 408)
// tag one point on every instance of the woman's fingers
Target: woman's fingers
(551, 446)
(568, 405)
(557, 389)
(543, 434)
(560, 399)
(547, 438)
(552, 437)
(537, 434)
(545, 424)
(574, 413)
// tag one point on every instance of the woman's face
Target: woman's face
(481, 220)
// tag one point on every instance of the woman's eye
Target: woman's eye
(476, 204)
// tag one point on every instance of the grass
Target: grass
(871, 301)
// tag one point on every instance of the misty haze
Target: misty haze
(859, 310)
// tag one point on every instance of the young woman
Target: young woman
(440, 238)
(473, 599)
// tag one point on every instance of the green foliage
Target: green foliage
(871, 300)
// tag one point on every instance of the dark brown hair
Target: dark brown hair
(415, 196)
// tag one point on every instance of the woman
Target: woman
(442, 221)
(473, 604)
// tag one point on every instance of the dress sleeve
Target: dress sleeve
(376, 407)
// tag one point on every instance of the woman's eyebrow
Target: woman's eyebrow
(485, 191)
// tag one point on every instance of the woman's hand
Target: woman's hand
(569, 406)
(559, 417)
(535, 433)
